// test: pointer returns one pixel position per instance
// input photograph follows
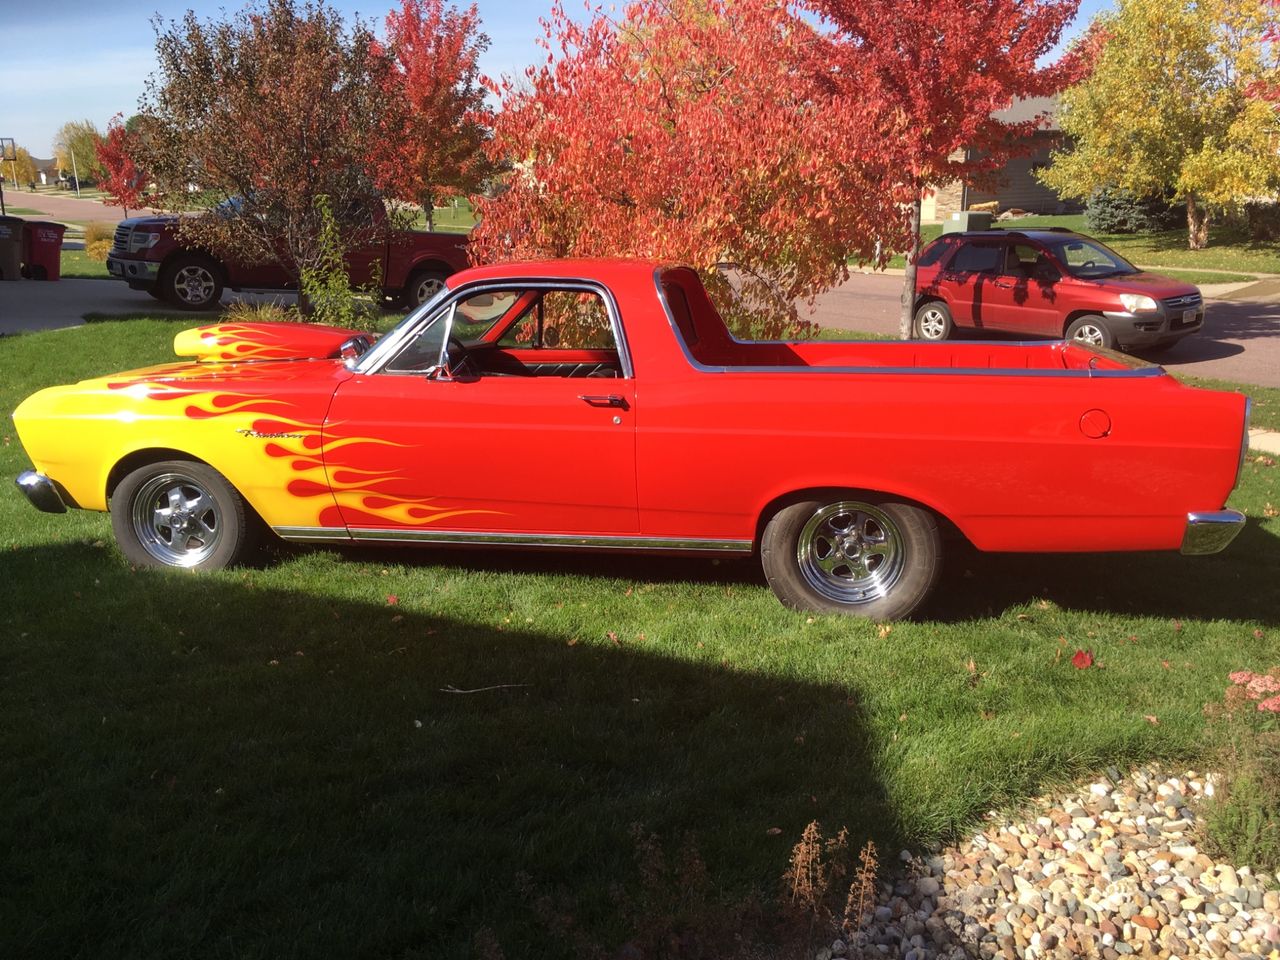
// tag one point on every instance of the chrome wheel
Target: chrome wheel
(426, 288)
(850, 552)
(932, 323)
(176, 520)
(1091, 334)
(194, 284)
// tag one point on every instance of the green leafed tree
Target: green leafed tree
(1175, 106)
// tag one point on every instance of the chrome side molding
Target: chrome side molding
(1211, 531)
(561, 541)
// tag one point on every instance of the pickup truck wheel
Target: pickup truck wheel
(422, 286)
(870, 558)
(179, 513)
(1092, 330)
(933, 321)
(192, 282)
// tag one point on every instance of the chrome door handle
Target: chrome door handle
(611, 400)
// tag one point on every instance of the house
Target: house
(1019, 187)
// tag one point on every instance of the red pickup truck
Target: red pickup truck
(148, 255)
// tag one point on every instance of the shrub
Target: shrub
(269, 312)
(1262, 218)
(326, 294)
(1119, 211)
(98, 237)
(1243, 820)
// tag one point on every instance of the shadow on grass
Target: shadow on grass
(200, 767)
(1237, 584)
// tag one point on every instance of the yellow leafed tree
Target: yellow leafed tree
(1175, 105)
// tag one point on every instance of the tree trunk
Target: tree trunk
(1197, 224)
(907, 316)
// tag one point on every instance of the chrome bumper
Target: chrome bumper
(1210, 532)
(41, 491)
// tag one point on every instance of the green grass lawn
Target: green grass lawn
(270, 763)
(12, 211)
(78, 265)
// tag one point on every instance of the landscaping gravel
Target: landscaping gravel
(1112, 870)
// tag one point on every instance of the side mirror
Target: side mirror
(354, 348)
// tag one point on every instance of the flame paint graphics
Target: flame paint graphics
(258, 341)
(346, 478)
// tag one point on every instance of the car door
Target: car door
(1022, 297)
(535, 456)
(970, 279)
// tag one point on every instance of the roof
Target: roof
(1029, 108)
(1045, 236)
(581, 268)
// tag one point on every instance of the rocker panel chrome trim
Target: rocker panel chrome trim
(381, 535)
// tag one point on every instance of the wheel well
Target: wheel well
(1076, 315)
(948, 529)
(924, 298)
(428, 266)
(140, 458)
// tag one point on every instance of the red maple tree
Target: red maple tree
(696, 131)
(123, 181)
(434, 139)
(938, 71)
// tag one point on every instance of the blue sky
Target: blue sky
(86, 59)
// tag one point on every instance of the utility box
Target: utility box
(42, 250)
(967, 220)
(10, 247)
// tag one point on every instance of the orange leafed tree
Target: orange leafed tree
(434, 140)
(122, 179)
(697, 131)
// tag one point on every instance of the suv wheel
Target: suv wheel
(933, 321)
(1092, 330)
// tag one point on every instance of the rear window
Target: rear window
(978, 258)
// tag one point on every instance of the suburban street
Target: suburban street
(1240, 340)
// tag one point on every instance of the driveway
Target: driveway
(64, 206)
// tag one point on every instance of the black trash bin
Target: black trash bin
(10, 247)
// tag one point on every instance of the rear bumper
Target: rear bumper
(1211, 531)
(41, 491)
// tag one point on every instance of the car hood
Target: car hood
(1153, 285)
(221, 342)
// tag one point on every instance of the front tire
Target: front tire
(852, 554)
(933, 321)
(1092, 330)
(192, 282)
(179, 513)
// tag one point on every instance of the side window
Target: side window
(978, 257)
(936, 251)
(563, 320)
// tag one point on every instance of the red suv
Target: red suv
(1051, 283)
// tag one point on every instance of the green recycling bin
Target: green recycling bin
(10, 248)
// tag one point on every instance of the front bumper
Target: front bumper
(1211, 531)
(41, 491)
(1149, 329)
(135, 271)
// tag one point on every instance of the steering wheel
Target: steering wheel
(1087, 264)
(460, 362)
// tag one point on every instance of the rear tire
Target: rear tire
(852, 554)
(933, 321)
(181, 513)
(421, 287)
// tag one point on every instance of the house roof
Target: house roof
(1029, 108)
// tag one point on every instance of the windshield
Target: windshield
(1088, 259)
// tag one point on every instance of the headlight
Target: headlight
(1137, 303)
(142, 241)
